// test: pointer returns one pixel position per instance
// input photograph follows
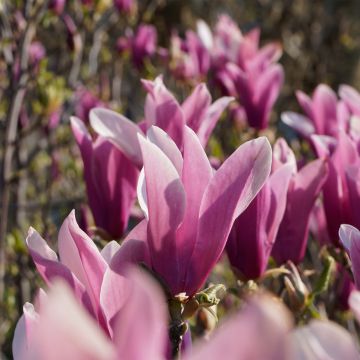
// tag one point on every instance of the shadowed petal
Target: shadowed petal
(228, 194)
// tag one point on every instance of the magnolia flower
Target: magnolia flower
(302, 192)
(58, 328)
(189, 208)
(324, 114)
(110, 178)
(164, 111)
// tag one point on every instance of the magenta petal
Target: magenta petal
(195, 106)
(79, 253)
(324, 109)
(109, 250)
(292, 237)
(163, 110)
(119, 130)
(197, 173)
(228, 194)
(253, 234)
(306, 103)
(144, 314)
(266, 92)
(166, 205)
(211, 118)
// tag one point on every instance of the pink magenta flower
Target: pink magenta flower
(324, 114)
(110, 179)
(254, 232)
(164, 111)
(189, 208)
(305, 186)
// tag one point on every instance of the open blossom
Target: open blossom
(303, 190)
(164, 111)
(324, 113)
(110, 179)
(254, 231)
(190, 209)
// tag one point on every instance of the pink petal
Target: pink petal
(228, 194)
(163, 110)
(119, 130)
(256, 332)
(211, 118)
(166, 204)
(322, 340)
(50, 268)
(306, 103)
(351, 97)
(162, 140)
(65, 331)
(292, 236)
(145, 314)
(324, 109)
(109, 250)
(79, 253)
(24, 333)
(195, 106)
(197, 173)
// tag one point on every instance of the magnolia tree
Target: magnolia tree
(173, 209)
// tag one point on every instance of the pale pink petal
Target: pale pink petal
(197, 173)
(79, 253)
(322, 340)
(298, 122)
(166, 201)
(24, 333)
(162, 140)
(256, 332)
(109, 250)
(354, 303)
(351, 97)
(141, 330)
(65, 331)
(119, 130)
